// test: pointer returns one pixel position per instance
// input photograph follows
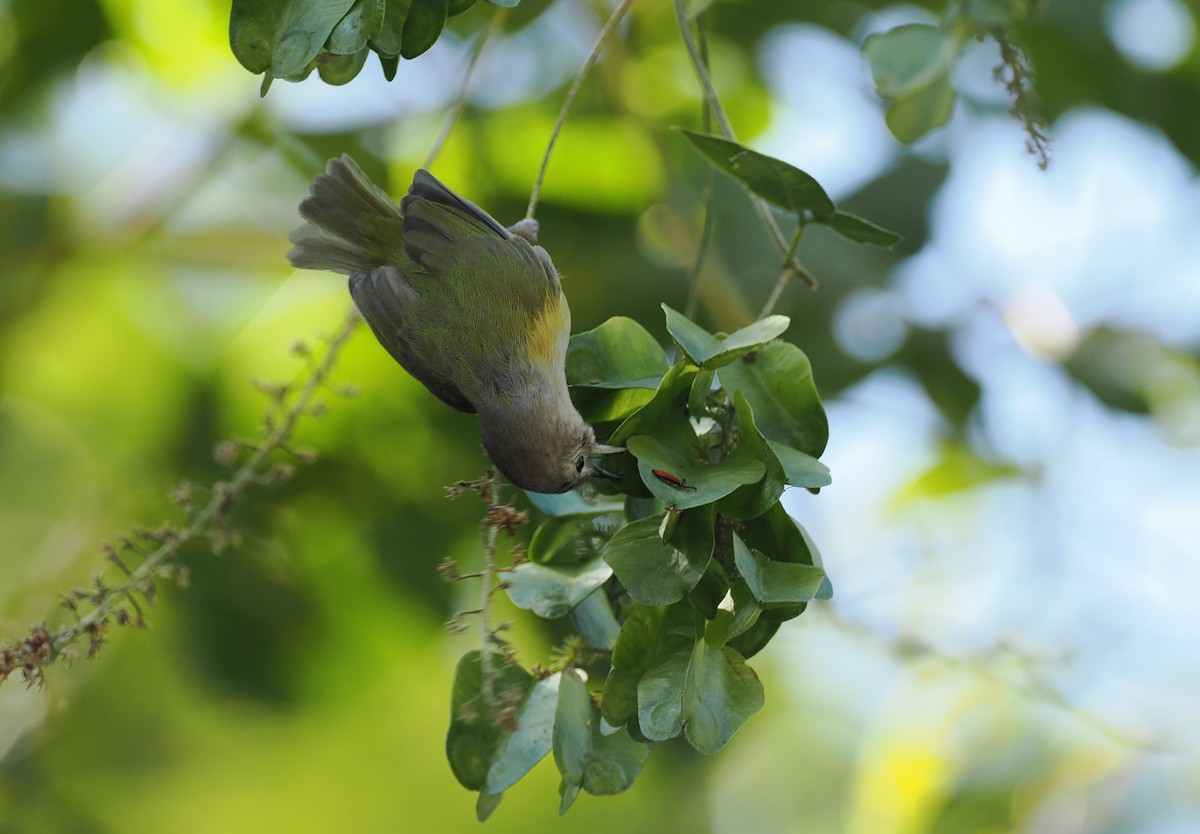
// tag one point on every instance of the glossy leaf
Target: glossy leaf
(683, 481)
(772, 581)
(651, 570)
(633, 654)
(772, 179)
(777, 382)
(552, 591)
(530, 739)
(800, 469)
(620, 353)
(753, 499)
(474, 734)
(711, 352)
(422, 27)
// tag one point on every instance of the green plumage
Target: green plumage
(471, 310)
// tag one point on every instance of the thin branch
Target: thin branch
(693, 299)
(605, 32)
(460, 101)
(787, 270)
(710, 95)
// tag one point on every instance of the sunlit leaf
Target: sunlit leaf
(681, 481)
(773, 582)
(712, 352)
(777, 382)
(651, 570)
(552, 591)
(529, 740)
(800, 469)
(772, 179)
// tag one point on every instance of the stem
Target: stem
(246, 475)
(605, 32)
(485, 596)
(460, 101)
(693, 299)
(761, 207)
(786, 272)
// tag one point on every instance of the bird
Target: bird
(474, 311)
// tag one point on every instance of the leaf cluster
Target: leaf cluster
(288, 39)
(671, 574)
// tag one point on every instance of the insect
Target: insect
(672, 480)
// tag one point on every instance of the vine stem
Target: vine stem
(693, 299)
(714, 102)
(460, 101)
(786, 272)
(605, 32)
(485, 595)
(222, 496)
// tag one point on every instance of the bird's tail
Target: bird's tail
(353, 226)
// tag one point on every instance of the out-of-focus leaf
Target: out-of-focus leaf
(593, 618)
(913, 116)
(552, 591)
(620, 353)
(860, 230)
(772, 582)
(777, 382)
(530, 740)
(710, 352)
(756, 498)
(457, 7)
(573, 503)
(702, 386)
(651, 570)
(633, 654)
(486, 804)
(506, 3)
(422, 27)
(389, 64)
(801, 470)
(686, 482)
(474, 734)
(772, 179)
(601, 764)
(909, 58)
(957, 470)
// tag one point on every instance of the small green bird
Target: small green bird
(472, 310)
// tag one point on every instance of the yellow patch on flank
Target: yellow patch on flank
(545, 329)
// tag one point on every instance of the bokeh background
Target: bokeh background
(1013, 530)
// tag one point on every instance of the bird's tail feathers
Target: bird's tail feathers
(350, 222)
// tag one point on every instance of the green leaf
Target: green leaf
(457, 7)
(341, 69)
(519, 750)
(755, 638)
(474, 735)
(387, 37)
(552, 591)
(595, 622)
(860, 230)
(422, 27)
(773, 582)
(711, 352)
(633, 654)
(659, 692)
(772, 179)
(720, 694)
(620, 353)
(777, 382)
(349, 36)
(573, 503)
(508, 4)
(282, 36)
(777, 536)
(687, 482)
(908, 59)
(746, 610)
(702, 386)
(653, 571)
(602, 764)
(801, 470)
(598, 405)
(486, 804)
(912, 117)
(667, 402)
(753, 499)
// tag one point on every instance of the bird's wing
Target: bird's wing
(384, 297)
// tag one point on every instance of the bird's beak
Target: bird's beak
(601, 449)
(597, 472)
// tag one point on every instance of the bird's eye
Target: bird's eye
(579, 461)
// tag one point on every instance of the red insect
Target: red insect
(673, 480)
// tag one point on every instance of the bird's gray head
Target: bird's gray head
(542, 451)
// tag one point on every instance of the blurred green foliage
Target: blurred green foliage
(291, 685)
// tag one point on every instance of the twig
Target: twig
(761, 206)
(464, 90)
(787, 270)
(605, 32)
(693, 299)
